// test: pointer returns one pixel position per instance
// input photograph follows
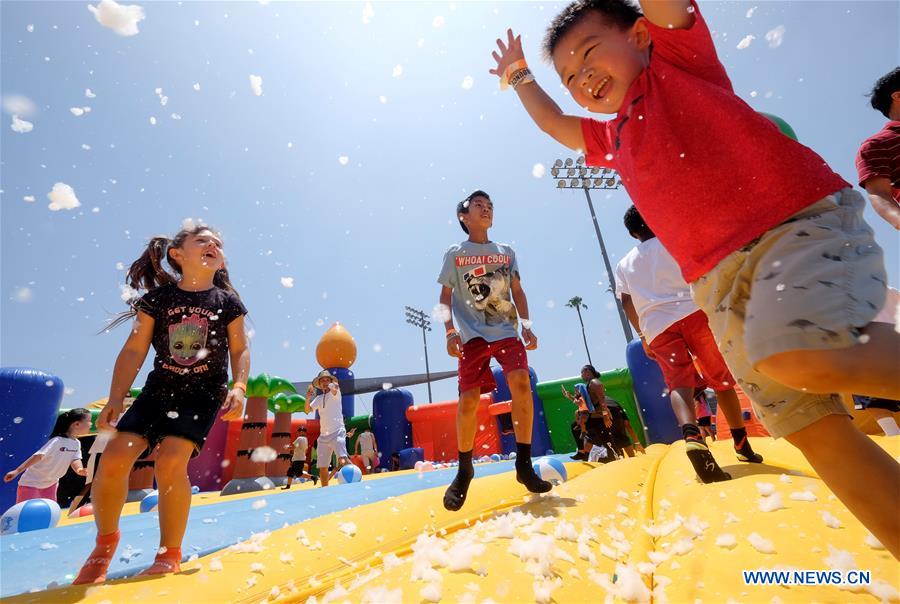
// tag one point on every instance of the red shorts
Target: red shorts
(673, 349)
(475, 364)
(24, 493)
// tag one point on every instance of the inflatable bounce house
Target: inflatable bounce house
(641, 529)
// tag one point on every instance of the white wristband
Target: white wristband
(526, 324)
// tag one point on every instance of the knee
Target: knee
(115, 465)
(519, 381)
(170, 465)
(805, 370)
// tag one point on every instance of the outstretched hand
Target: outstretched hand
(510, 52)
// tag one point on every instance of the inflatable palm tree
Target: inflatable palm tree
(249, 470)
(282, 405)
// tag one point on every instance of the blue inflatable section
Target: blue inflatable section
(409, 457)
(652, 395)
(540, 436)
(26, 565)
(348, 401)
(392, 430)
(29, 404)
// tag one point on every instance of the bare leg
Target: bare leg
(174, 490)
(862, 475)
(455, 495)
(868, 369)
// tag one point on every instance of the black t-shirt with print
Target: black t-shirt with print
(190, 337)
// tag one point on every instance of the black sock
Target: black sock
(455, 495)
(742, 446)
(525, 473)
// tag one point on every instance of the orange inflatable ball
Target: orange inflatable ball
(336, 348)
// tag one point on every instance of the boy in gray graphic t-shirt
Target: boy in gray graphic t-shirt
(481, 288)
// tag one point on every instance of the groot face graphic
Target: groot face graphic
(187, 340)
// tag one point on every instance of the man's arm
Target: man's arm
(454, 342)
(631, 313)
(543, 110)
(879, 190)
(521, 302)
(671, 14)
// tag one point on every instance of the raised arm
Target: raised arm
(543, 110)
(671, 14)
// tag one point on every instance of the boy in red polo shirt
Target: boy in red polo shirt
(482, 290)
(878, 159)
(771, 240)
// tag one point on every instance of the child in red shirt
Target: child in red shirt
(771, 240)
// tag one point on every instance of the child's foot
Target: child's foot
(526, 475)
(743, 450)
(455, 495)
(94, 568)
(704, 464)
(579, 456)
(286, 487)
(315, 480)
(167, 561)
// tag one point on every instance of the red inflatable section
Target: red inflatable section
(753, 425)
(434, 430)
(234, 435)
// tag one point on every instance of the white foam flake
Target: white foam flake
(120, 18)
(538, 170)
(152, 121)
(215, 565)
(256, 84)
(259, 504)
(263, 454)
(17, 104)
(775, 36)
(745, 41)
(468, 82)
(77, 111)
(765, 488)
(726, 540)
(431, 592)
(785, 479)
(88, 93)
(761, 544)
(28, 198)
(750, 12)
(438, 22)
(440, 313)
(830, 520)
(287, 282)
(348, 528)
(872, 541)
(397, 71)
(803, 496)
(62, 197)
(771, 503)
(20, 126)
(343, 160)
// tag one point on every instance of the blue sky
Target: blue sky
(364, 237)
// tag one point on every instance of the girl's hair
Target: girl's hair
(593, 371)
(148, 273)
(66, 419)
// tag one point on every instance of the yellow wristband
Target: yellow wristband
(240, 385)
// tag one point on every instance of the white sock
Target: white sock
(889, 425)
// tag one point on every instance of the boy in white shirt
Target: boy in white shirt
(332, 433)
(298, 459)
(673, 330)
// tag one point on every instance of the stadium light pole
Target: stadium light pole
(418, 318)
(576, 175)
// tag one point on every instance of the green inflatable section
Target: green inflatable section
(560, 411)
(361, 423)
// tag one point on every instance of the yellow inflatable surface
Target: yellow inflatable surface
(638, 530)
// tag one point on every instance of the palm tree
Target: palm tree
(282, 405)
(577, 304)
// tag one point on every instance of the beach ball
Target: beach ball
(150, 502)
(495, 457)
(549, 452)
(349, 473)
(418, 466)
(551, 470)
(427, 466)
(512, 455)
(31, 515)
(782, 125)
(195, 489)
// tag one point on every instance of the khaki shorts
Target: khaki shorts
(808, 284)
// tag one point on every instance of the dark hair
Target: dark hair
(620, 13)
(593, 371)
(463, 206)
(147, 272)
(635, 224)
(881, 93)
(65, 420)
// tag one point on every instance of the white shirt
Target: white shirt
(366, 442)
(300, 446)
(331, 418)
(59, 453)
(661, 296)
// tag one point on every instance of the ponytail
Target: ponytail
(65, 420)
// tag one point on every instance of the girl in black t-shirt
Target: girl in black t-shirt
(194, 320)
